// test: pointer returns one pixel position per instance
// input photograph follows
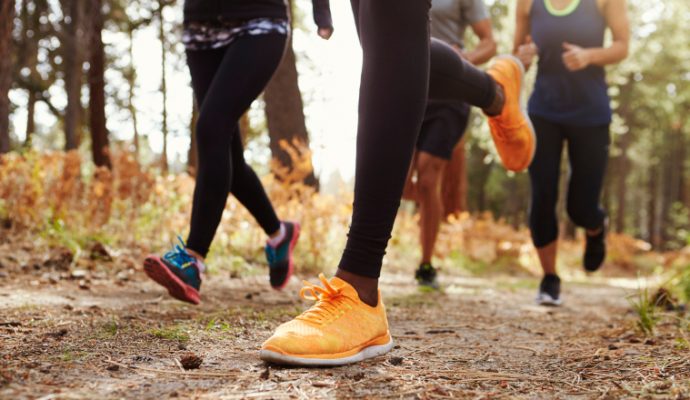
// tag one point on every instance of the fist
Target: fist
(527, 52)
(325, 33)
(575, 57)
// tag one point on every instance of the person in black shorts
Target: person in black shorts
(445, 122)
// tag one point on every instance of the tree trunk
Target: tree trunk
(6, 25)
(164, 85)
(192, 157)
(28, 58)
(285, 114)
(622, 170)
(30, 118)
(652, 207)
(73, 62)
(132, 81)
(454, 186)
(99, 131)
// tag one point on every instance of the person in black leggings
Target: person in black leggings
(233, 49)
(348, 322)
(570, 104)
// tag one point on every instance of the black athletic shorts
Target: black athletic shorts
(444, 124)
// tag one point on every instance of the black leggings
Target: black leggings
(394, 89)
(588, 152)
(226, 81)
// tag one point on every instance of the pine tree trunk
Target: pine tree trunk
(164, 85)
(73, 62)
(99, 132)
(28, 58)
(652, 207)
(285, 113)
(132, 81)
(30, 118)
(192, 157)
(6, 25)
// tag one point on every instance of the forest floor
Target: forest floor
(108, 332)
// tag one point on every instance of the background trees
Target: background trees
(71, 77)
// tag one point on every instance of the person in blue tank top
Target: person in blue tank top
(570, 105)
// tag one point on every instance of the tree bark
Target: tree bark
(192, 156)
(285, 113)
(164, 85)
(73, 62)
(99, 131)
(652, 235)
(6, 24)
(132, 81)
(30, 118)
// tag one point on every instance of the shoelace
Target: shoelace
(328, 300)
(503, 128)
(179, 255)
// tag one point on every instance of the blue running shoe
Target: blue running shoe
(178, 271)
(280, 262)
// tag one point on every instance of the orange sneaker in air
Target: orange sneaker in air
(512, 130)
(339, 329)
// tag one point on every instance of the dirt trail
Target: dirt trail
(480, 339)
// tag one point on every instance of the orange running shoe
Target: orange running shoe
(512, 130)
(339, 329)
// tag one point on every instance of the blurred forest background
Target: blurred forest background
(68, 81)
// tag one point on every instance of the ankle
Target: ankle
(277, 237)
(194, 254)
(593, 233)
(367, 288)
(496, 107)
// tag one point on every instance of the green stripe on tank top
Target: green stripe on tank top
(561, 13)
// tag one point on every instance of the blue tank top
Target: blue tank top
(561, 96)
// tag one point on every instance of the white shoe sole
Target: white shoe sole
(369, 352)
(544, 299)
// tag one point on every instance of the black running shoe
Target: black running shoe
(426, 276)
(280, 258)
(595, 250)
(549, 291)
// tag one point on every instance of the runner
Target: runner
(348, 322)
(444, 123)
(233, 48)
(570, 104)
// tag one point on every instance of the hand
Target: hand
(325, 33)
(575, 57)
(526, 52)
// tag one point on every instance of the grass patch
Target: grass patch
(414, 300)
(176, 333)
(646, 311)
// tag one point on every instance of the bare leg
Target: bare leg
(547, 256)
(430, 170)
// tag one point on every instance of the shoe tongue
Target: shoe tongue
(346, 288)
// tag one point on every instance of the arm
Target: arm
(523, 47)
(323, 18)
(577, 58)
(486, 48)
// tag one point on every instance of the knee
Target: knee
(586, 216)
(428, 180)
(543, 224)
(205, 125)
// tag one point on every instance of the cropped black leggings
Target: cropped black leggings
(226, 81)
(395, 85)
(588, 152)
